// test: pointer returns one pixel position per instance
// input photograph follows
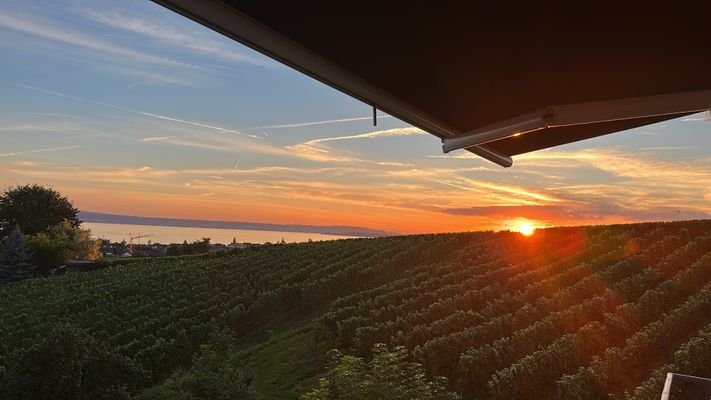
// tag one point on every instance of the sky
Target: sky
(128, 108)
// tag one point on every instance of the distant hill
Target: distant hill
(354, 231)
(569, 313)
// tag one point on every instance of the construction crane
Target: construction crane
(130, 242)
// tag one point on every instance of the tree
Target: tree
(34, 209)
(15, 258)
(197, 247)
(387, 376)
(63, 242)
(83, 247)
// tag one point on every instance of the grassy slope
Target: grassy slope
(282, 358)
(285, 365)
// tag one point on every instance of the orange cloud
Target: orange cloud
(386, 196)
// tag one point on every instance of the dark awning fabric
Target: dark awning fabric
(452, 67)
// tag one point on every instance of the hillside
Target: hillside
(566, 313)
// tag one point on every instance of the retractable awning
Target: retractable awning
(495, 78)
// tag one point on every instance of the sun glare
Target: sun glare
(526, 229)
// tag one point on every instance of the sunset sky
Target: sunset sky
(128, 108)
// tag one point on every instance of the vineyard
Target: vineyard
(568, 313)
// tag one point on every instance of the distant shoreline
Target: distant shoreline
(95, 217)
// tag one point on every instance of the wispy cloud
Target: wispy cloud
(45, 150)
(156, 138)
(314, 123)
(436, 172)
(595, 211)
(318, 150)
(147, 114)
(665, 148)
(30, 128)
(312, 150)
(312, 144)
(161, 78)
(457, 156)
(515, 190)
(621, 164)
(457, 186)
(226, 144)
(49, 31)
(516, 193)
(644, 182)
(192, 40)
(645, 133)
(394, 164)
(376, 134)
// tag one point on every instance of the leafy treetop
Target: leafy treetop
(34, 209)
(389, 375)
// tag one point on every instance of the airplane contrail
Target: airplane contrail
(147, 114)
(17, 153)
(68, 96)
(312, 123)
(187, 122)
(182, 121)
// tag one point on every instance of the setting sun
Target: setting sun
(525, 229)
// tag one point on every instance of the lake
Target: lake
(176, 234)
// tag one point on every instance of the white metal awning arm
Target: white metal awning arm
(583, 114)
(525, 123)
(492, 155)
